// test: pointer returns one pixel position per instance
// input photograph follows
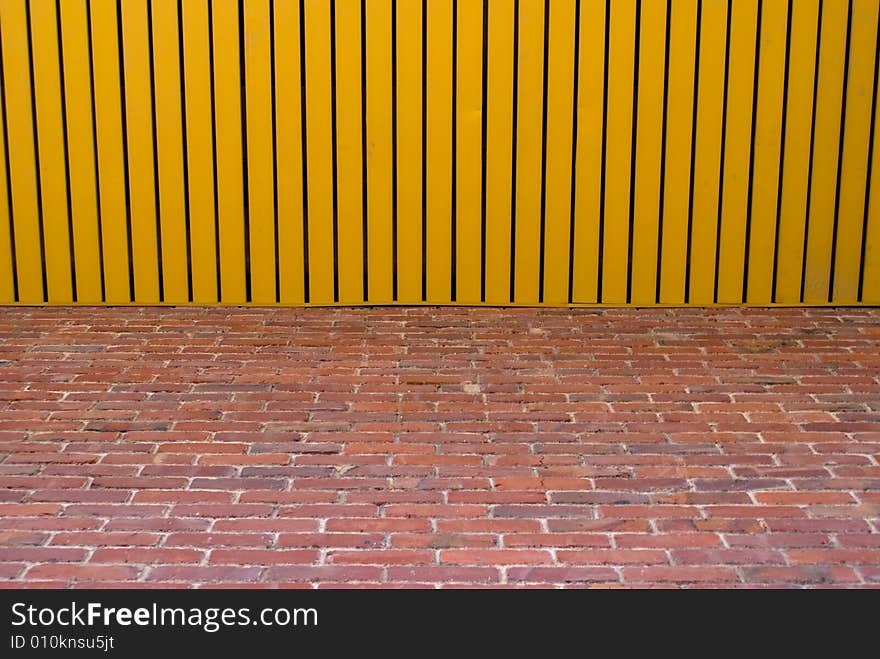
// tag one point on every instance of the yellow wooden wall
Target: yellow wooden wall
(439, 151)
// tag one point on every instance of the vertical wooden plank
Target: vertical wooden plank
(230, 191)
(200, 149)
(469, 123)
(409, 151)
(439, 151)
(261, 187)
(713, 39)
(169, 151)
(826, 140)
(679, 132)
(557, 203)
(111, 161)
(737, 152)
(139, 130)
(319, 142)
(588, 160)
(22, 165)
(870, 276)
(380, 163)
(349, 164)
(618, 151)
(530, 112)
(649, 152)
(81, 153)
(7, 282)
(289, 151)
(50, 142)
(499, 154)
(851, 205)
(768, 141)
(795, 171)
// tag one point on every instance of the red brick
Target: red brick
(83, 572)
(495, 557)
(381, 557)
(561, 574)
(679, 574)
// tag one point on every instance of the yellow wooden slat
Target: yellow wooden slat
(768, 140)
(618, 149)
(319, 141)
(200, 150)
(7, 281)
(139, 131)
(679, 133)
(409, 151)
(530, 110)
(169, 151)
(795, 173)
(499, 129)
(230, 191)
(22, 167)
(50, 141)
(588, 161)
(870, 276)
(649, 153)
(855, 152)
(737, 151)
(380, 156)
(708, 151)
(557, 203)
(469, 125)
(826, 136)
(349, 164)
(288, 145)
(261, 187)
(439, 151)
(111, 161)
(80, 144)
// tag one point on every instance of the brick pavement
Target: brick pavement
(439, 447)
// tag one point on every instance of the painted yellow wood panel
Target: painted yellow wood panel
(826, 140)
(557, 201)
(289, 149)
(768, 142)
(109, 149)
(349, 152)
(50, 146)
(618, 151)
(588, 160)
(380, 154)
(260, 164)
(230, 184)
(139, 148)
(21, 145)
(737, 151)
(796, 165)
(529, 142)
(679, 144)
(409, 151)
(870, 276)
(851, 204)
(469, 131)
(707, 162)
(169, 151)
(319, 144)
(200, 150)
(439, 151)
(7, 274)
(499, 149)
(648, 153)
(81, 150)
